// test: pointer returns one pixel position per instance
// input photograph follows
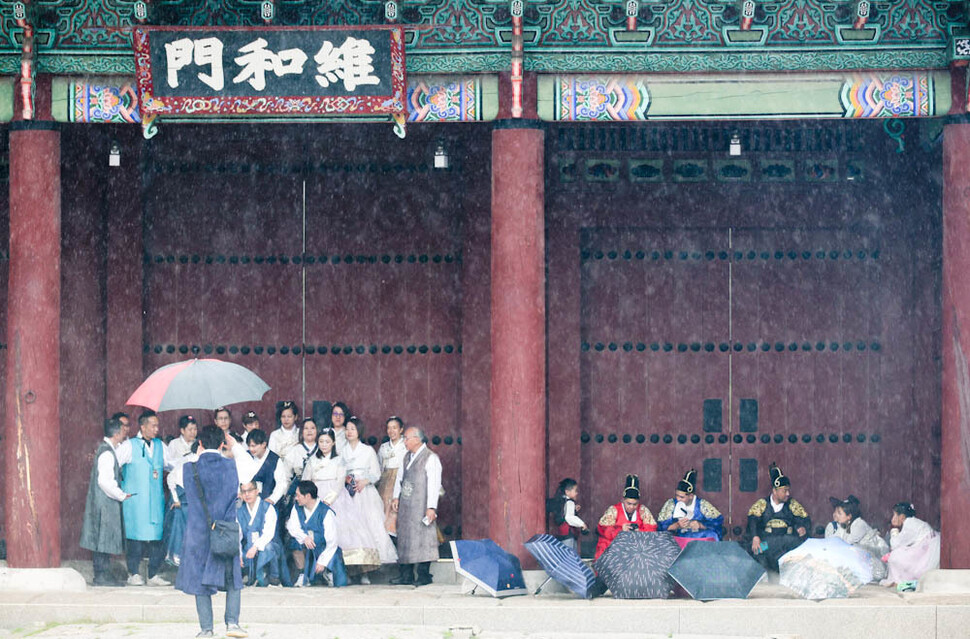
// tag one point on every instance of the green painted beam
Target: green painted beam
(6, 99)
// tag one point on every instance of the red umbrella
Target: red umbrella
(200, 384)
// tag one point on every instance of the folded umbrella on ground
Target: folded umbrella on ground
(562, 564)
(488, 566)
(635, 565)
(716, 570)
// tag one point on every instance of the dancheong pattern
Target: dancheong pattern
(444, 100)
(104, 103)
(887, 97)
(590, 98)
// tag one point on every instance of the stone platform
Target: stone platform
(770, 611)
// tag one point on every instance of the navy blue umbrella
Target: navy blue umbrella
(718, 570)
(485, 564)
(562, 564)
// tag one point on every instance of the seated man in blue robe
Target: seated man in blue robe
(687, 515)
(313, 531)
(262, 552)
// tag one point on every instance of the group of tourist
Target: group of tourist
(776, 524)
(307, 495)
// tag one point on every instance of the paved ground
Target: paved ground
(444, 611)
(308, 631)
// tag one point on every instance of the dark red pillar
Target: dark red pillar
(518, 378)
(955, 454)
(32, 419)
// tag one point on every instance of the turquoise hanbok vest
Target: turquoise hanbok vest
(145, 510)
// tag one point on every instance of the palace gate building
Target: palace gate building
(588, 238)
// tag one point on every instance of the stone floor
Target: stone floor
(443, 610)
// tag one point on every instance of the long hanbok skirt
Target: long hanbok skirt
(911, 562)
(360, 527)
(385, 488)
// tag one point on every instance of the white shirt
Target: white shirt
(775, 506)
(329, 531)
(264, 537)
(569, 514)
(247, 466)
(432, 469)
(392, 455)
(175, 477)
(281, 440)
(106, 471)
(295, 459)
(179, 452)
(361, 461)
(123, 452)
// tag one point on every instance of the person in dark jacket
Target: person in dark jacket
(201, 573)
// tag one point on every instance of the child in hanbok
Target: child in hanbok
(567, 526)
(915, 546)
(848, 525)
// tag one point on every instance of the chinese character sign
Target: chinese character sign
(270, 70)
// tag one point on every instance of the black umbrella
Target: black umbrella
(635, 565)
(718, 570)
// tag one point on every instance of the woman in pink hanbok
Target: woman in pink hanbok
(914, 546)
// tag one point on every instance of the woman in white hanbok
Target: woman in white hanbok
(391, 455)
(363, 472)
(849, 526)
(915, 546)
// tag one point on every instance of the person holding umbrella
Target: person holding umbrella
(628, 514)
(687, 515)
(777, 523)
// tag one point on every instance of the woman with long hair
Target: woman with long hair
(338, 422)
(366, 507)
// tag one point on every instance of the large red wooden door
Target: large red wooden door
(727, 350)
(654, 374)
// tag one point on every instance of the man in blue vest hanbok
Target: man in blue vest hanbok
(313, 531)
(144, 460)
(262, 552)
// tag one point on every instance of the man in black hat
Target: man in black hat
(687, 515)
(627, 515)
(778, 523)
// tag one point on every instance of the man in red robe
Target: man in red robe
(629, 514)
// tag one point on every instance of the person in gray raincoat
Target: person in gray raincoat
(200, 572)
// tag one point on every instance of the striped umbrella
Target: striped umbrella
(198, 383)
(562, 564)
(635, 565)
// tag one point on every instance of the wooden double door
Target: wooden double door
(727, 349)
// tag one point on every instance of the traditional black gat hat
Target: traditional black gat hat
(778, 478)
(688, 483)
(631, 489)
